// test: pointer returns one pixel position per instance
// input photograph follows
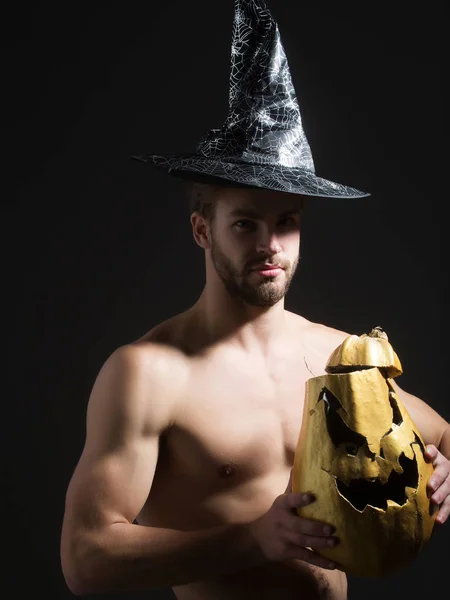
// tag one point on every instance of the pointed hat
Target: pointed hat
(262, 142)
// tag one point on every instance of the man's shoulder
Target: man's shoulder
(152, 360)
(321, 331)
(144, 379)
(153, 357)
(149, 356)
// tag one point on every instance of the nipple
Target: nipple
(226, 470)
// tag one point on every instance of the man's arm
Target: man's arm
(133, 401)
(435, 431)
(433, 428)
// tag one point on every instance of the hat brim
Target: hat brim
(270, 177)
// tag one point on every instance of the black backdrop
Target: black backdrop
(98, 248)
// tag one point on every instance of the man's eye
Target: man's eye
(243, 224)
(287, 222)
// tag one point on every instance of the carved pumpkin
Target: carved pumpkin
(361, 455)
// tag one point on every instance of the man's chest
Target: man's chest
(232, 443)
(236, 425)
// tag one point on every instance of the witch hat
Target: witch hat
(262, 142)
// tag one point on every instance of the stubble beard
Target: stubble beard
(263, 293)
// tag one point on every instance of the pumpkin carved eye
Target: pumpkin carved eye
(338, 430)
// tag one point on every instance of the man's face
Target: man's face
(252, 231)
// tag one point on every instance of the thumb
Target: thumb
(289, 485)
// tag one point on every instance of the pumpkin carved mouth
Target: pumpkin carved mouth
(373, 492)
(362, 492)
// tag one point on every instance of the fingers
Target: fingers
(309, 533)
(291, 500)
(297, 523)
(441, 494)
(438, 486)
(302, 526)
(311, 541)
(293, 536)
(309, 527)
(431, 452)
(444, 511)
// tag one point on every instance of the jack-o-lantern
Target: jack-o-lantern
(362, 456)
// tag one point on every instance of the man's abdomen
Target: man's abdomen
(290, 580)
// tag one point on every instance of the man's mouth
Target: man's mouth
(265, 266)
(268, 270)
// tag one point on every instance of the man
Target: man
(184, 480)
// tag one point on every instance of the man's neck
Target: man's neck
(255, 329)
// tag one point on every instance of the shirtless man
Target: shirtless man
(184, 480)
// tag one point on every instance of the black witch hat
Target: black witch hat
(262, 142)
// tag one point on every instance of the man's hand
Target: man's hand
(282, 534)
(438, 487)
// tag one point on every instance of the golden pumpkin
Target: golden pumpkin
(362, 456)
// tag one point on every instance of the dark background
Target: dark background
(98, 248)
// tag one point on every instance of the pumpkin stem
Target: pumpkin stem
(378, 332)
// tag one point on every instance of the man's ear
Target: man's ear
(201, 231)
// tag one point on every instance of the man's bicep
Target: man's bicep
(129, 407)
(112, 486)
(430, 423)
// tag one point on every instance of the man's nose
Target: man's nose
(268, 244)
